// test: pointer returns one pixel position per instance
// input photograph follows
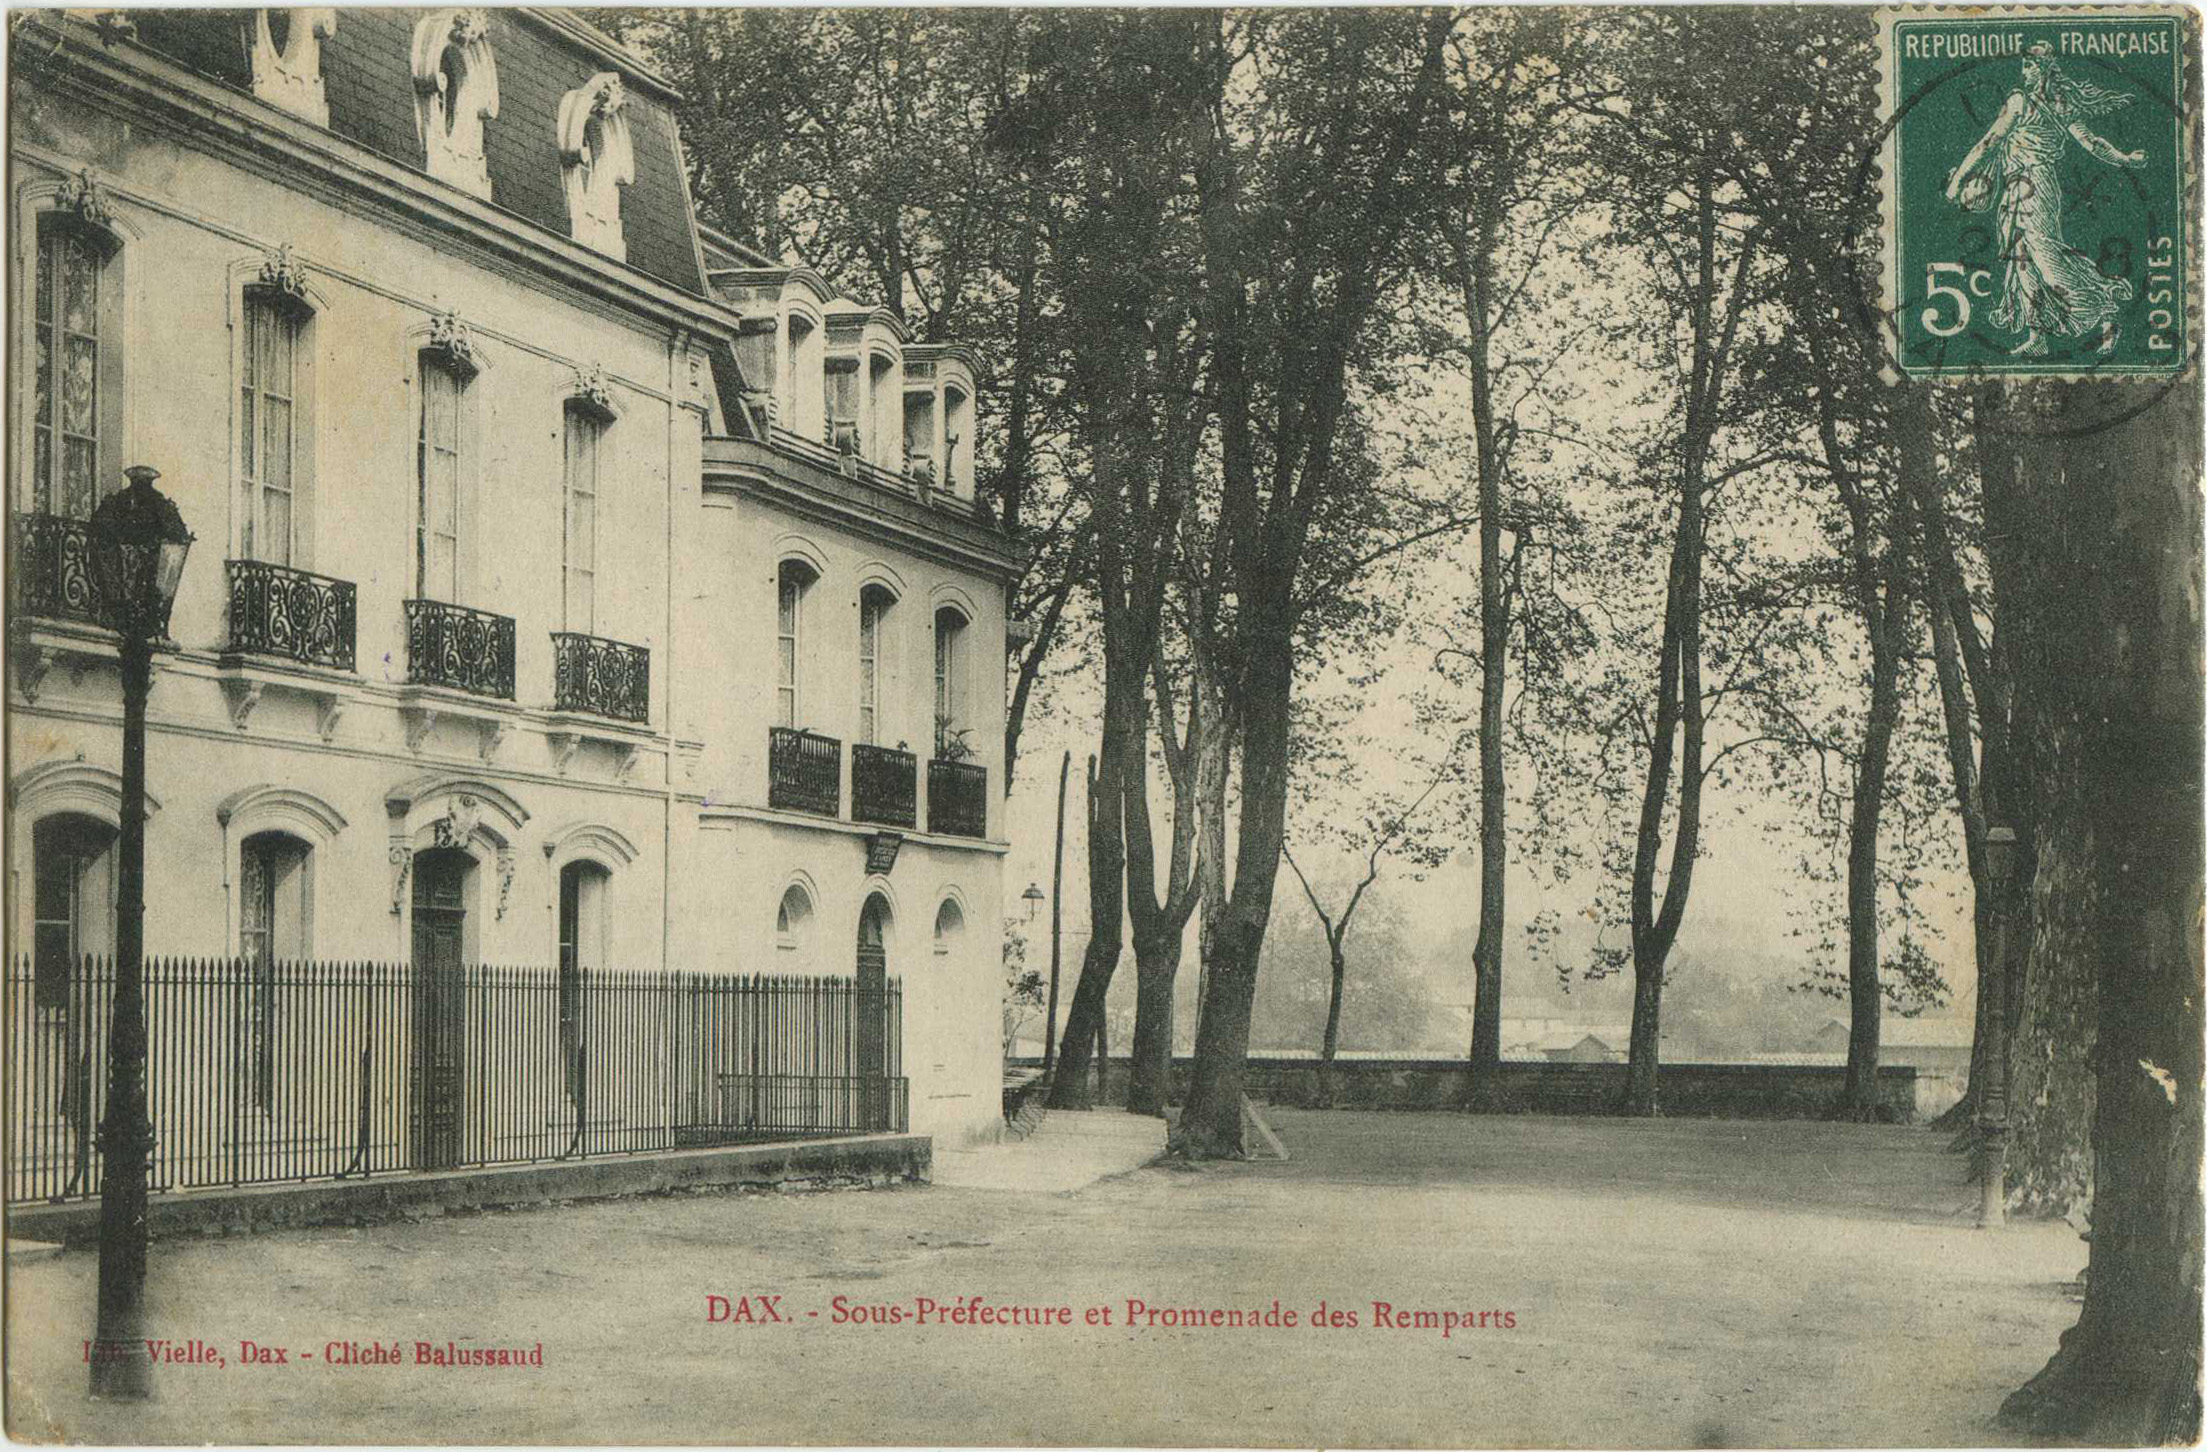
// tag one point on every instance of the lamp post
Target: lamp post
(1992, 1095)
(138, 544)
(1033, 898)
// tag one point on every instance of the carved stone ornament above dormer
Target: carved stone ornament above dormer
(286, 46)
(83, 195)
(455, 92)
(597, 159)
(452, 342)
(283, 272)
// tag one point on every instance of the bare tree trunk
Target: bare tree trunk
(2051, 1002)
(1156, 970)
(1859, 1099)
(1475, 248)
(1106, 906)
(1057, 919)
(1883, 604)
(1679, 708)
(2107, 651)
(1210, 1124)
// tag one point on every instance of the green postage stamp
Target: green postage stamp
(2038, 192)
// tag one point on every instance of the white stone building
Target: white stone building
(570, 587)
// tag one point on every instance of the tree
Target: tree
(1305, 188)
(2104, 621)
(1387, 1001)
(1388, 828)
(1023, 986)
(1509, 71)
(1085, 124)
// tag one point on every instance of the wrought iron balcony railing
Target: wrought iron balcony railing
(804, 772)
(52, 569)
(603, 677)
(884, 785)
(467, 650)
(957, 799)
(276, 610)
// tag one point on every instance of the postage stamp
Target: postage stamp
(2038, 192)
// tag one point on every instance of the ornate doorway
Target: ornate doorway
(436, 1076)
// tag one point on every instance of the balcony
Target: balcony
(884, 785)
(957, 799)
(804, 772)
(52, 568)
(291, 613)
(462, 649)
(601, 677)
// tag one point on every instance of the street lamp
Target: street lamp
(1992, 1094)
(138, 544)
(1033, 898)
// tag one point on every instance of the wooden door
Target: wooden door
(436, 1076)
(872, 1067)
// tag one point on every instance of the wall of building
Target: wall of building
(749, 854)
(197, 229)
(367, 768)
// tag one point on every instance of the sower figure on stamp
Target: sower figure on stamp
(2047, 286)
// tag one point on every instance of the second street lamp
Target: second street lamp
(138, 546)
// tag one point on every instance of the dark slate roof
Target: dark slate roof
(366, 76)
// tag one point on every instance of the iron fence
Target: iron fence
(297, 1071)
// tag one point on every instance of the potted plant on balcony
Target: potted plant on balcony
(950, 741)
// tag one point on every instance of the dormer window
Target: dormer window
(957, 471)
(287, 59)
(455, 92)
(597, 160)
(844, 405)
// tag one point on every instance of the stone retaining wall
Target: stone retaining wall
(1687, 1091)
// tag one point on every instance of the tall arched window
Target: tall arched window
(791, 919)
(794, 583)
(585, 435)
(873, 610)
(950, 726)
(438, 448)
(76, 421)
(274, 442)
(807, 377)
(73, 908)
(273, 928)
(950, 927)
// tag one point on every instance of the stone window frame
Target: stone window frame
(289, 76)
(279, 278)
(597, 158)
(80, 203)
(455, 92)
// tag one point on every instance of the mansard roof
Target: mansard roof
(541, 56)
